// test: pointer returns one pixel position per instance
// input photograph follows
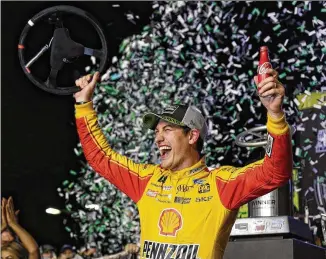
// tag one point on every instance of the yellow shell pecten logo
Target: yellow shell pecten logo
(170, 222)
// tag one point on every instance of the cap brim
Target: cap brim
(150, 120)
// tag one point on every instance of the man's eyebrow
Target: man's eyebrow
(168, 125)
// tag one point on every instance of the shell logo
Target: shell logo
(170, 221)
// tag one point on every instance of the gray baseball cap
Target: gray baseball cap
(180, 115)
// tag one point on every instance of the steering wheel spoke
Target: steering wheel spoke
(40, 53)
(98, 53)
(51, 81)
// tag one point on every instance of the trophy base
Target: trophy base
(273, 248)
(279, 226)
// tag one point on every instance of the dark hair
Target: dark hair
(199, 143)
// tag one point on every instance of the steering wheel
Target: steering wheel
(63, 48)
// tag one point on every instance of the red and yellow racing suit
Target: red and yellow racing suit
(189, 213)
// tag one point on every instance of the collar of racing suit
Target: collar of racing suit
(190, 171)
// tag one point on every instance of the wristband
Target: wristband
(83, 102)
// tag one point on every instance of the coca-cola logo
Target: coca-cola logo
(263, 68)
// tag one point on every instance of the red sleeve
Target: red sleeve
(127, 176)
(237, 186)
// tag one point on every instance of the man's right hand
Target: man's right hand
(87, 84)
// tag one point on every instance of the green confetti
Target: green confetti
(255, 11)
(208, 28)
(281, 76)
(72, 172)
(275, 28)
(302, 27)
(178, 73)
(307, 140)
(123, 45)
(235, 77)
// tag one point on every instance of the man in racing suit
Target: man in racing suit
(186, 210)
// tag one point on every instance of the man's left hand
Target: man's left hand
(132, 248)
(11, 215)
(271, 93)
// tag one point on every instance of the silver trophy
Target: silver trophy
(277, 202)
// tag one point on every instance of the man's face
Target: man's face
(173, 145)
(68, 253)
(47, 255)
(8, 255)
(6, 237)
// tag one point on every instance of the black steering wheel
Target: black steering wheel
(63, 48)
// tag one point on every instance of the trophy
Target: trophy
(277, 202)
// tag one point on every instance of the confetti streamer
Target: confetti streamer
(204, 54)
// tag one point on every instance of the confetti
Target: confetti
(204, 54)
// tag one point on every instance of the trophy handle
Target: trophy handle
(255, 137)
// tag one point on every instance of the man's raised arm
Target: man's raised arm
(237, 186)
(129, 177)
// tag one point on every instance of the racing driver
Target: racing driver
(186, 210)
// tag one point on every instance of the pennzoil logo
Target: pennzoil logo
(155, 250)
(170, 222)
(204, 188)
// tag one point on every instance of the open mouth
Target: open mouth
(164, 151)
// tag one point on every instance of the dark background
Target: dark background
(38, 129)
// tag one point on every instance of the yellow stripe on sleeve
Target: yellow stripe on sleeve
(277, 126)
(82, 110)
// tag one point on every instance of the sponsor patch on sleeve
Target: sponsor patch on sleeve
(269, 146)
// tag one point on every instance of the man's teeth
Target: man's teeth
(165, 148)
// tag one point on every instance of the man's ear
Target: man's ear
(194, 136)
